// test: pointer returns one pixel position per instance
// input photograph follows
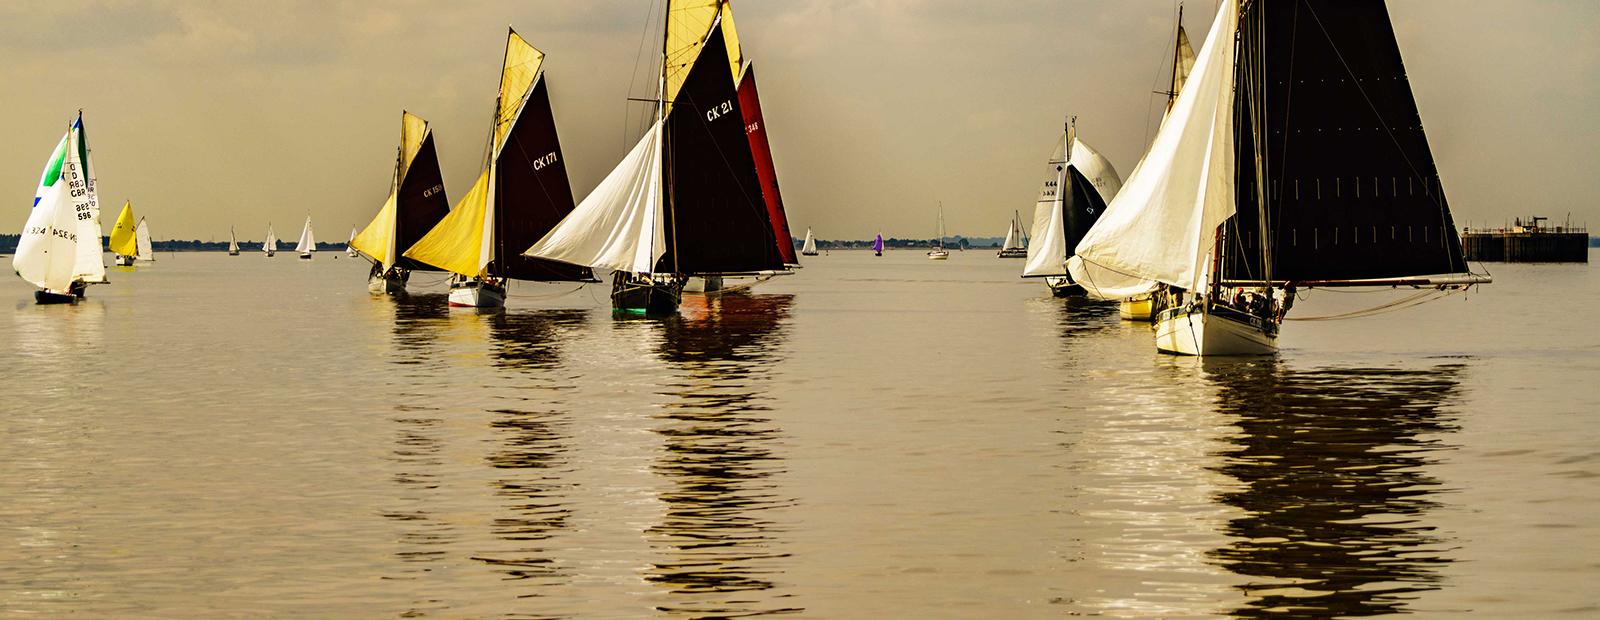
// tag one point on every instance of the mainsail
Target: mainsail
(521, 194)
(143, 245)
(687, 198)
(270, 244)
(233, 241)
(1078, 183)
(90, 266)
(47, 250)
(308, 242)
(877, 244)
(416, 200)
(810, 246)
(1162, 222)
(122, 235)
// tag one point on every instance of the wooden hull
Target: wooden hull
(477, 294)
(1194, 331)
(635, 296)
(1137, 308)
(1062, 286)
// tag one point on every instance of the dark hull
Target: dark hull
(73, 294)
(635, 296)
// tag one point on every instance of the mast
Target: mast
(1177, 52)
(666, 137)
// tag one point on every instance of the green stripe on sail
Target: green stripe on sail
(52, 172)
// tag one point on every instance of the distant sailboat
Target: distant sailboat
(687, 200)
(122, 242)
(1239, 203)
(269, 246)
(877, 245)
(810, 246)
(146, 248)
(233, 243)
(1016, 244)
(938, 252)
(1078, 182)
(308, 242)
(59, 248)
(415, 205)
(521, 193)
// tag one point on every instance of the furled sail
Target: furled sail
(1072, 198)
(1353, 192)
(47, 249)
(1162, 223)
(714, 191)
(618, 226)
(521, 195)
(122, 235)
(416, 203)
(145, 247)
(761, 152)
(308, 242)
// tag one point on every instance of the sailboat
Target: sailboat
(122, 242)
(810, 246)
(233, 243)
(1016, 243)
(1141, 307)
(877, 245)
(415, 205)
(1239, 203)
(938, 252)
(687, 201)
(522, 192)
(59, 248)
(1078, 182)
(349, 245)
(269, 246)
(146, 249)
(308, 242)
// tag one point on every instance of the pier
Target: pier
(1527, 241)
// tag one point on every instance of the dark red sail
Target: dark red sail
(761, 151)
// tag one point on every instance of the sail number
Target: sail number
(428, 193)
(718, 110)
(752, 128)
(540, 163)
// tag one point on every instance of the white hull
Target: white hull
(380, 285)
(121, 260)
(476, 297)
(938, 255)
(1195, 332)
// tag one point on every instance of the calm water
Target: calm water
(216, 436)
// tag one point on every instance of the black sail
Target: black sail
(1353, 191)
(1081, 207)
(420, 203)
(531, 194)
(717, 218)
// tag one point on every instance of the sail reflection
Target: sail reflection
(1332, 466)
(1081, 316)
(719, 458)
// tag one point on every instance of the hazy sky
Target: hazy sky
(210, 114)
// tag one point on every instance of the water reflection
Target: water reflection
(1081, 316)
(719, 460)
(1334, 485)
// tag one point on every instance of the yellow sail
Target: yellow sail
(377, 239)
(456, 243)
(688, 23)
(522, 66)
(122, 237)
(413, 129)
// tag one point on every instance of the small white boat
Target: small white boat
(308, 242)
(810, 246)
(269, 246)
(477, 292)
(233, 243)
(938, 252)
(1016, 244)
(59, 248)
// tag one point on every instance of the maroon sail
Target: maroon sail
(761, 150)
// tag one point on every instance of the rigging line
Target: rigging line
(1150, 101)
(644, 35)
(1393, 306)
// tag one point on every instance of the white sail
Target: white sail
(626, 207)
(141, 236)
(233, 241)
(47, 249)
(1011, 236)
(270, 244)
(90, 265)
(1162, 224)
(307, 242)
(810, 246)
(1047, 249)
